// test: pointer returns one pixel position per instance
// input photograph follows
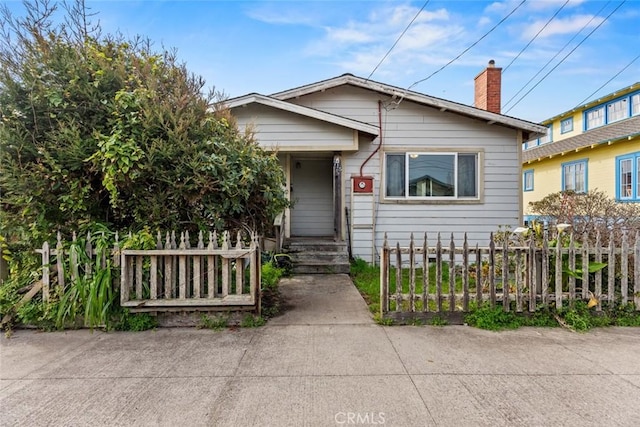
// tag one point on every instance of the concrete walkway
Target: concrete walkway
(322, 363)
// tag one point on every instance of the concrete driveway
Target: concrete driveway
(322, 363)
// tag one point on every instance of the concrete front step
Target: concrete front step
(310, 267)
(318, 256)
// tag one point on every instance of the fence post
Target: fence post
(452, 275)
(412, 275)
(612, 272)
(585, 266)
(572, 268)
(505, 274)
(636, 273)
(425, 275)
(398, 277)
(479, 301)
(60, 261)
(624, 269)
(492, 270)
(598, 285)
(45, 271)
(439, 274)
(384, 277)
(465, 274)
(558, 285)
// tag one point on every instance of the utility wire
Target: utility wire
(469, 48)
(567, 55)
(535, 37)
(609, 81)
(401, 35)
(555, 56)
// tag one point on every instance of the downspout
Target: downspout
(379, 136)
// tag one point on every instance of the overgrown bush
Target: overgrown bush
(589, 213)
(100, 130)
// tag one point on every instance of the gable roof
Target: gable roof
(623, 130)
(532, 130)
(254, 98)
(594, 102)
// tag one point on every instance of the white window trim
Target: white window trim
(451, 199)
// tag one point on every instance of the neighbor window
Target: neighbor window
(528, 180)
(432, 175)
(595, 118)
(574, 176)
(548, 137)
(628, 177)
(566, 125)
(617, 110)
(635, 104)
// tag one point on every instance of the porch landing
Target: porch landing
(317, 255)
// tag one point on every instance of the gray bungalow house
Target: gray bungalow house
(364, 158)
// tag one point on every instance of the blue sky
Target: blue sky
(268, 46)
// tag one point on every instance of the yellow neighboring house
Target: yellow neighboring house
(594, 146)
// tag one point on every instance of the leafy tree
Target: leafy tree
(98, 129)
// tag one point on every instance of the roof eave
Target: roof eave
(301, 110)
(534, 129)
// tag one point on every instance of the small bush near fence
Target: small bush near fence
(78, 284)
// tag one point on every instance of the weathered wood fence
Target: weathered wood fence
(422, 280)
(172, 277)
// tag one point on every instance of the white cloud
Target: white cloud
(561, 26)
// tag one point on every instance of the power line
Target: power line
(396, 42)
(610, 80)
(469, 48)
(535, 37)
(555, 56)
(567, 55)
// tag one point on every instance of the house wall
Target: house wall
(284, 131)
(601, 167)
(412, 126)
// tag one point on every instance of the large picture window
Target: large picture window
(431, 175)
(574, 176)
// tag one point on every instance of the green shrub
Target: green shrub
(135, 322)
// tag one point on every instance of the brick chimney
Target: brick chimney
(488, 88)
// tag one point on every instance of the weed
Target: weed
(384, 321)
(270, 275)
(136, 322)
(438, 321)
(251, 321)
(213, 322)
(493, 319)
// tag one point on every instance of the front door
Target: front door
(312, 214)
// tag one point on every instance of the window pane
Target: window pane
(467, 175)
(569, 172)
(528, 181)
(595, 118)
(566, 125)
(617, 110)
(580, 178)
(635, 104)
(431, 175)
(637, 177)
(625, 178)
(395, 175)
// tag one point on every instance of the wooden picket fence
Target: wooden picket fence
(173, 276)
(420, 281)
